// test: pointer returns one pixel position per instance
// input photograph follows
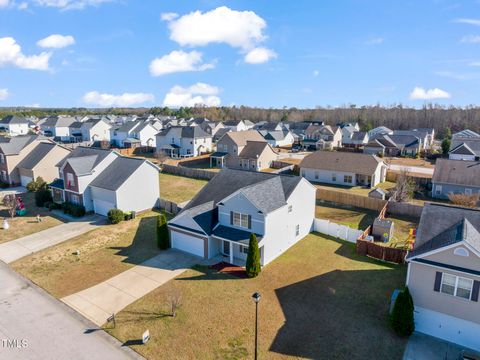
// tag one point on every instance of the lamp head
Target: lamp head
(256, 297)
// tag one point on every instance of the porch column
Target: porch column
(210, 161)
(231, 252)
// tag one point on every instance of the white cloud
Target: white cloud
(4, 94)
(239, 29)
(259, 55)
(475, 22)
(375, 41)
(108, 100)
(11, 54)
(197, 94)
(169, 16)
(472, 39)
(316, 73)
(4, 3)
(22, 6)
(56, 41)
(420, 93)
(70, 4)
(474, 63)
(179, 61)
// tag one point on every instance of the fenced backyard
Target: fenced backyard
(338, 231)
(369, 248)
(188, 172)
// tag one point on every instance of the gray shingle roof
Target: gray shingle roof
(473, 144)
(58, 121)
(128, 126)
(82, 151)
(458, 172)
(237, 235)
(117, 173)
(14, 145)
(36, 155)
(254, 149)
(363, 164)
(13, 119)
(443, 225)
(359, 135)
(190, 132)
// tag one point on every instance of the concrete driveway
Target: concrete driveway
(13, 190)
(16, 249)
(421, 347)
(38, 326)
(99, 302)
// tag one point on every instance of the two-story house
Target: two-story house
(101, 180)
(183, 141)
(277, 138)
(95, 130)
(239, 125)
(322, 137)
(14, 125)
(218, 221)
(443, 274)
(59, 127)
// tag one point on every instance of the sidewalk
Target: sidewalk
(99, 302)
(16, 249)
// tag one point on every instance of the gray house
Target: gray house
(444, 274)
(455, 176)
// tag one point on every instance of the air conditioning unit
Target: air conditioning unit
(369, 238)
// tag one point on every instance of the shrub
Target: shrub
(115, 216)
(36, 185)
(469, 201)
(74, 210)
(252, 266)
(3, 185)
(401, 317)
(42, 196)
(163, 240)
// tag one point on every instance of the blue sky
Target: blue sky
(256, 53)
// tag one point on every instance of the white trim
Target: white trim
(447, 269)
(408, 274)
(190, 232)
(445, 248)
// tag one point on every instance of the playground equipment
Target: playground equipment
(21, 210)
(412, 234)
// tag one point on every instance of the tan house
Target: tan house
(255, 156)
(23, 158)
(444, 274)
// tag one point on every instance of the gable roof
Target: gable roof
(59, 121)
(276, 135)
(13, 119)
(128, 126)
(444, 225)
(36, 155)
(363, 164)
(115, 174)
(85, 158)
(359, 135)
(463, 149)
(240, 138)
(13, 146)
(459, 172)
(472, 143)
(467, 133)
(190, 132)
(254, 149)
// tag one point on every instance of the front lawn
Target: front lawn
(320, 300)
(179, 188)
(104, 253)
(21, 226)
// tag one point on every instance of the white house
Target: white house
(343, 168)
(14, 125)
(239, 125)
(101, 180)
(58, 127)
(278, 138)
(182, 141)
(219, 220)
(95, 130)
(134, 133)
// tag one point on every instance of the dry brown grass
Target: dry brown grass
(179, 188)
(319, 300)
(104, 253)
(409, 162)
(21, 226)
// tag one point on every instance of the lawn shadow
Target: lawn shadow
(209, 273)
(133, 342)
(339, 315)
(134, 316)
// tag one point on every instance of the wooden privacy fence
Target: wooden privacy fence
(380, 252)
(188, 172)
(169, 206)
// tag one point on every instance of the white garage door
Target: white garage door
(187, 243)
(102, 207)
(25, 180)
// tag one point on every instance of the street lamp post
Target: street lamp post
(256, 298)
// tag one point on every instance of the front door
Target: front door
(226, 248)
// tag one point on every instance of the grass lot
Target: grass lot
(178, 188)
(21, 226)
(357, 190)
(356, 218)
(104, 253)
(319, 300)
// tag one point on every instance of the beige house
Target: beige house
(444, 274)
(255, 156)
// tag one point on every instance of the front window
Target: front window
(456, 286)
(244, 249)
(334, 177)
(240, 220)
(70, 180)
(347, 179)
(438, 189)
(297, 230)
(316, 174)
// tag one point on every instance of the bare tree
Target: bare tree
(10, 202)
(469, 201)
(174, 300)
(404, 188)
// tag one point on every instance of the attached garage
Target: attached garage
(188, 243)
(24, 180)
(102, 207)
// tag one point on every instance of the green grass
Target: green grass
(356, 218)
(179, 188)
(319, 300)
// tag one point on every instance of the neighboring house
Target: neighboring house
(455, 176)
(347, 131)
(255, 156)
(407, 144)
(123, 133)
(359, 139)
(59, 127)
(41, 162)
(95, 130)
(183, 141)
(146, 133)
(443, 274)
(219, 133)
(101, 180)
(239, 125)
(324, 137)
(12, 152)
(14, 125)
(230, 145)
(422, 135)
(218, 221)
(393, 145)
(378, 131)
(277, 138)
(430, 138)
(465, 150)
(465, 134)
(343, 168)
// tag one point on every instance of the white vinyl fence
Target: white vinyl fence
(339, 231)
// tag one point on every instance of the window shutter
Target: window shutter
(231, 217)
(438, 281)
(475, 290)
(249, 221)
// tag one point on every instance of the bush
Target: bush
(36, 185)
(74, 210)
(3, 185)
(42, 196)
(401, 317)
(252, 267)
(469, 201)
(115, 216)
(52, 205)
(163, 240)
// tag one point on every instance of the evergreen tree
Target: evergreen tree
(401, 318)
(162, 232)
(445, 146)
(252, 266)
